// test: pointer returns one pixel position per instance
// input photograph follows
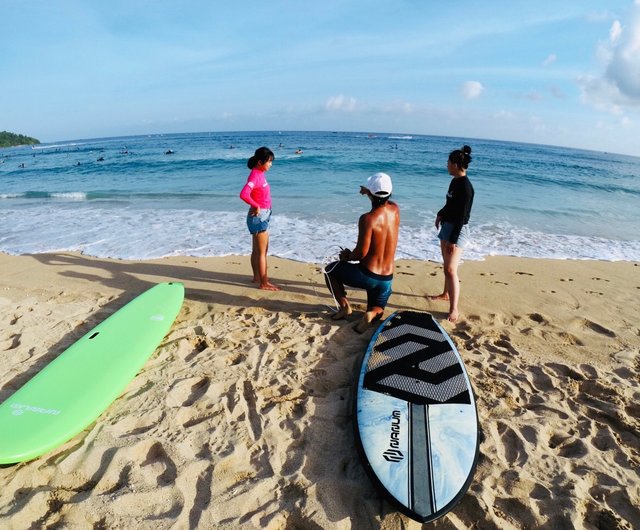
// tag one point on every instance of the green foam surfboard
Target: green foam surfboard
(70, 392)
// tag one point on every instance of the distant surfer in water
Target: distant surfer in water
(257, 194)
(452, 221)
(374, 251)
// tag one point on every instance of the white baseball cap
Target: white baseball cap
(379, 185)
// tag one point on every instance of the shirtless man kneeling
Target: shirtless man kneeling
(374, 253)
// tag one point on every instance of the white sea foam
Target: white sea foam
(55, 146)
(129, 233)
(73, 195)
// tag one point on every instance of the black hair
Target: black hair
(261, 156)
(461, 157)
(379, 201)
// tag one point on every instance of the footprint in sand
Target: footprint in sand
(10, 343)
(537, 317)
(186, 392)
(540, 380)
(575, 449)
(515, 450)
(504, 343)
(158, 459)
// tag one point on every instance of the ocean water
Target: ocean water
(139, 202)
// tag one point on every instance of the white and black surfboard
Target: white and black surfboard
(416, 418)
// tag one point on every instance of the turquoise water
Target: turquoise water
(138, 202)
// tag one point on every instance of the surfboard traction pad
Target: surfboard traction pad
(412, 359)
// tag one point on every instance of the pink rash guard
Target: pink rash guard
(256, 191)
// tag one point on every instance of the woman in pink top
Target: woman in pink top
(257, 194)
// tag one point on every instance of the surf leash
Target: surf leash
(329, 262)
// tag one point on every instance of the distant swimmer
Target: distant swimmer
(298, 151)
(21, 165)
(168, 152)
(101, 159)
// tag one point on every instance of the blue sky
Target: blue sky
(552, 72)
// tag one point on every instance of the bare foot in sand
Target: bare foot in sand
(443, 296)
(453, 316)
(343, 312)
(369, 318)
(268, 286)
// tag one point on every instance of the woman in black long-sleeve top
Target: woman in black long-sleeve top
(452, 221)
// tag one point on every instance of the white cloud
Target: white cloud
(600, 93)
(341, 104)
(552, 58)
(615, 31)
(624, 68)
(471, 89)
(614, 125)
(619, 84)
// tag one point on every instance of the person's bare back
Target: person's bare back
(379, 228)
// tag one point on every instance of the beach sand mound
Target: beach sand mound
(243, 416)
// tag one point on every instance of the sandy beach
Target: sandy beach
(242, 417)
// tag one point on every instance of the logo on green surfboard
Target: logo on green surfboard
(19, 408)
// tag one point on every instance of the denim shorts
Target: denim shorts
(354, 275)
(259, 223)
(463, 239)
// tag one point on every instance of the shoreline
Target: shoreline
(242, 417)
